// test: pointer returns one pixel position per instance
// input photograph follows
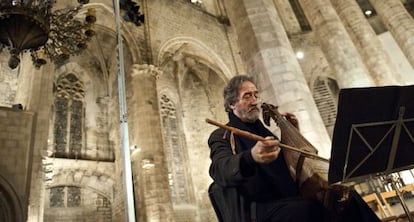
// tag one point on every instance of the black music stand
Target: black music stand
(373, 134)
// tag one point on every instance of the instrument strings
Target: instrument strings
(291, 133)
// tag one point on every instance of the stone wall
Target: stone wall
(16, 148)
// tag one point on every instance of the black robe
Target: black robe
(239, 181)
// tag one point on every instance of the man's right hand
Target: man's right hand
(266, 151)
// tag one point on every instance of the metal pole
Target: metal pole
(126, 160)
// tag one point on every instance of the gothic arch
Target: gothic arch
(85, 179)
(193, 81)
(94, 100)
(173, 48)
(11, 209)
(103, 13)
(68, 125)
(74, 68)
(170, 92)
(325, 92)
(319, 72)
(74, 202)
(176, 151)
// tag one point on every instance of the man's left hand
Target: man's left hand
(292, 119)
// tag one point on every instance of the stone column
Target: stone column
(399, 23)
(269, 57)
(40, 100)
(145, 134)
(336, 44)
(382, 69)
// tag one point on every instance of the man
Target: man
(251, 178)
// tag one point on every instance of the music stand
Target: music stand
(373, 134)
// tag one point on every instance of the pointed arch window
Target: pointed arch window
(68, 122)
(325, 94)
(65, 196)
(78, 202)
(175, 151)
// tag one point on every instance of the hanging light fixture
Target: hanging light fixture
(31, 26)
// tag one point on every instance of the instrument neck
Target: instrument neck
(290, 135)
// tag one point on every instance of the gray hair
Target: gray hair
(231, 90)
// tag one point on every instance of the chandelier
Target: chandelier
(31, 26)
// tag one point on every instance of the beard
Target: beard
(250, 115)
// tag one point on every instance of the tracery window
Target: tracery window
(175, 152)
(62, 196)
(325, 94)
(74, 196)
(56, 196)
(68, 123)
